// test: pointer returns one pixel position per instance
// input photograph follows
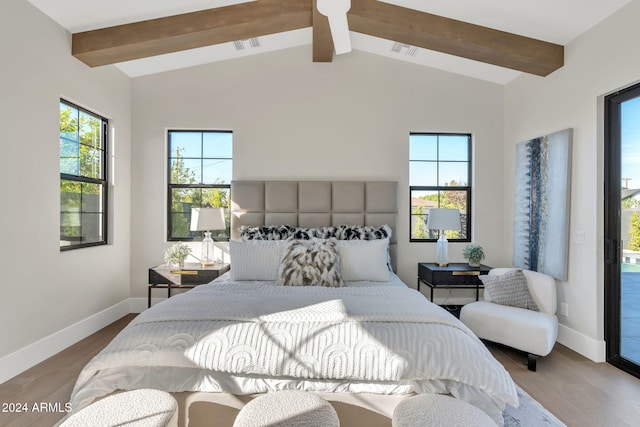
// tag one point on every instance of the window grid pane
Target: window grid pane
(198, 177)
(83, 184)
(438, 164)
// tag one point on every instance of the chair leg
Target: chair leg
(532, 360)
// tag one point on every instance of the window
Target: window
(83, 178)
(439, 177)
(199, 176)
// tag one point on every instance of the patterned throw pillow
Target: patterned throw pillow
(309, 263)
(510, 289)
(341, 232)
(266, 232)
(363, 232)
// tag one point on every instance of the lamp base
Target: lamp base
(442, 250)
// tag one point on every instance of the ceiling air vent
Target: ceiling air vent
(247, 43)
(404, 49)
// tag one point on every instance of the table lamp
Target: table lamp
(442, 220)
(207, 219)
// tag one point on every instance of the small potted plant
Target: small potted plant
(474, 254)
(176, 254)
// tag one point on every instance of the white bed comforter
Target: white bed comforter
(234, 336)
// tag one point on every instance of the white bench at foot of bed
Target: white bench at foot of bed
(287, 408)
(136, 408)
(437, 410)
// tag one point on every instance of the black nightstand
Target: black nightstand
(189, 276)
(456, 275)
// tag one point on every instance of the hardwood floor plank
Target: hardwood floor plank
(52, 381)
(576, 390)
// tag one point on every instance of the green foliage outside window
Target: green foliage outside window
(634, 232)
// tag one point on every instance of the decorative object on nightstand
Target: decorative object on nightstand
(443, 220)
(175, 255)
(474, 254)
(207, 219)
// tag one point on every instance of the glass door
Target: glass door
(622, 229)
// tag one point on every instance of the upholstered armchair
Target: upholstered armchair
(533, 332)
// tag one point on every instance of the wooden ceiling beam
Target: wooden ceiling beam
(190, 30)
(454, 37)
(263, 17)
(322, 40)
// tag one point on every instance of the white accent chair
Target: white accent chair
(530, 331)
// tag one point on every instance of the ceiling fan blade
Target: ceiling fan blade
(336, 13)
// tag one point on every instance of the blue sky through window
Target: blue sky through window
(436, 160)
(630, 126)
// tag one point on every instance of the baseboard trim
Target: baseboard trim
(588, 347)
(29, 356)
(138, 305)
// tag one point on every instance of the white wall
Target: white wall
(597, 63)
(295, 119)
(45, 291)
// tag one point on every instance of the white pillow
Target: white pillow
(364, 260)
(255, 259)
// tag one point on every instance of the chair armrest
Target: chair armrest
(543, 290)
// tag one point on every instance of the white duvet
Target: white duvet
(252, 337)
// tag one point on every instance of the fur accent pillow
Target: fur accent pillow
(510, 289)
(310, 263)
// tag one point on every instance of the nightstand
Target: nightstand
(189, 276)
(456, 275)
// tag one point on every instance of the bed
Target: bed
(312, 302)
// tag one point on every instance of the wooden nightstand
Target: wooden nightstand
(189, 276)
(456, 275)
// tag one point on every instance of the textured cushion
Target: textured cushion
(509, 289)
(310, 262)
(255, 259)
(136, 408)
(287, 408)
(364, 259)
(436, 410)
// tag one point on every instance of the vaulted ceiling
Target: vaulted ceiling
(493, 40)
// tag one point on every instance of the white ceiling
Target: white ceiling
(556, 21)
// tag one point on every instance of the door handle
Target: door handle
(611, 251)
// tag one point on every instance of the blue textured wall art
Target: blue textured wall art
(542, 204)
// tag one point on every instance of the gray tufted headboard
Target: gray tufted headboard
(315, 204)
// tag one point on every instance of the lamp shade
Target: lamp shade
(205, 219)
(443, 219)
